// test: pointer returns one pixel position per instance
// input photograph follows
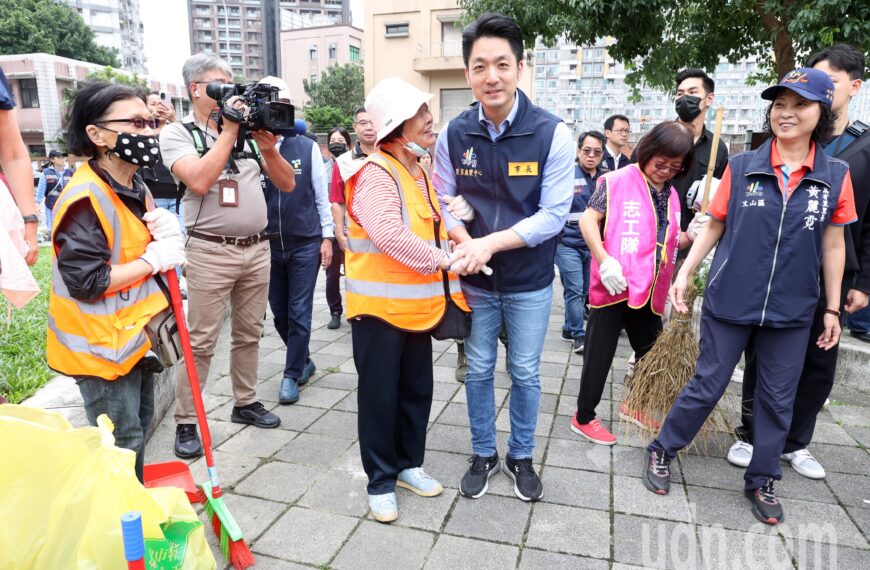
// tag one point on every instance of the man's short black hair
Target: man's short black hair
(358, 110)
(608, 123)
(842, 57)
(491, 25)
(594, 134)
(706, 80)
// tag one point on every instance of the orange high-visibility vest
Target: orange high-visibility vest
(377, 285)
(105, 337)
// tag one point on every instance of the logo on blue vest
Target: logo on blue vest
(469, 159)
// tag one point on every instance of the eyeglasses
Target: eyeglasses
(137, 122)
(591, 151)
(363, 124)
(621, 131)
(662, 166)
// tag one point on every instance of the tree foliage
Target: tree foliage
(45, 26)
(656, 38)
(323, 118)
(340, 87)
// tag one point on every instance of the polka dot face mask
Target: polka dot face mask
(139, 150)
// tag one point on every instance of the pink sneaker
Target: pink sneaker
(593, 431)
(637, 418)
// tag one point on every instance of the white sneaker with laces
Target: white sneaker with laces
(383, 507)
(804, 463)
(740, 454)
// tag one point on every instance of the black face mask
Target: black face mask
(139, 150)
(337, 149)
(688, 107)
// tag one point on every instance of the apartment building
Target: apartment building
(116, 24)
(309, 51)
(421, 42)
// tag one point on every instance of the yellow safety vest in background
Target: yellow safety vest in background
(379, 286)
(105, 337)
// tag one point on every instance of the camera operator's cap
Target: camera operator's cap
(56, 153)
(283, 90)
(391, 102)
(807, 82)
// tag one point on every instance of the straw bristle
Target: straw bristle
(664, 371)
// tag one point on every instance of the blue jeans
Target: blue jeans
(169, 204)
(291, 297)
(573, 264)
(860, 321)
(128, 401)
(526, 315)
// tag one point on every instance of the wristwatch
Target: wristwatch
(31, 219)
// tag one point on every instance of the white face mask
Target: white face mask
(414, 148)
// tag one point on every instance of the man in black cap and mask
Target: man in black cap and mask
(694, 96)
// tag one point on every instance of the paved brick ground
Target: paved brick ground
(298, 492)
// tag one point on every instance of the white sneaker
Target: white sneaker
(804, 463)
(740, 454)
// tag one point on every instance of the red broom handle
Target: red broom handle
(184, 334)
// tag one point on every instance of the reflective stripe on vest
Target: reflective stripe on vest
(378, 285)
(104, 337)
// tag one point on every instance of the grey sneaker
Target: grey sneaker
(461, 362)
(475, 482)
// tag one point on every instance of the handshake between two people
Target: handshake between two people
(166, 250)
(470, 256)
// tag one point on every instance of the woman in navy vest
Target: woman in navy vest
(51, 183)
(777, 217)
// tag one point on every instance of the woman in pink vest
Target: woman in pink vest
(632, 228)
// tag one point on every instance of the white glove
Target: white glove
(612, 277)
(697, 224)
(460, 209)
(164, 255)
(162, 224)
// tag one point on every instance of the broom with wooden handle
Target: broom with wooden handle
(662, 373)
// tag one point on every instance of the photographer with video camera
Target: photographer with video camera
(227, 246)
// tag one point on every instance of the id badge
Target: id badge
(228, 191)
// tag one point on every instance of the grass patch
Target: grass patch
(23, 369)
(332, 370)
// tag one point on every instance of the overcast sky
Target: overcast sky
(167, 41)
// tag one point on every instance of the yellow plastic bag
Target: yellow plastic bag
(63, 491)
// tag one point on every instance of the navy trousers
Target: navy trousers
(780, 358)
(291, 298)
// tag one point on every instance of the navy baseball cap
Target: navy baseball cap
(807, 82)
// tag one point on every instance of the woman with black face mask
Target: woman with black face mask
(108, 243)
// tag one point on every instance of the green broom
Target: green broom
(232, 544)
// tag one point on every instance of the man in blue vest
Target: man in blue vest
(512, 163)
(572, 253)
(302, 221)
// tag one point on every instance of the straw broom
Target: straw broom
(664, 371)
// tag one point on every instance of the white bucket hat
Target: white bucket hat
(283, 90)
(391, 102)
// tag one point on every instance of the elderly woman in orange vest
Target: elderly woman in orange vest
(396, 281)
(632, 227)
(108, 243)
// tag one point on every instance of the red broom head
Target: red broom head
(216, 525)
(240, 555)
(200, 497)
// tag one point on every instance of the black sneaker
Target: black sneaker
(765, 506)
(256, 415)
(567, 336)
(461, 362)
(657, 472)
(475, 482)
(527, 484)
(579, 345)
(335, 321)
(187, 444)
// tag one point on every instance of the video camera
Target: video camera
(264, 111)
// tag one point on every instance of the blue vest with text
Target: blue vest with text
(766, 267)
(584, 186)
(294, 215)
(501, 179)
